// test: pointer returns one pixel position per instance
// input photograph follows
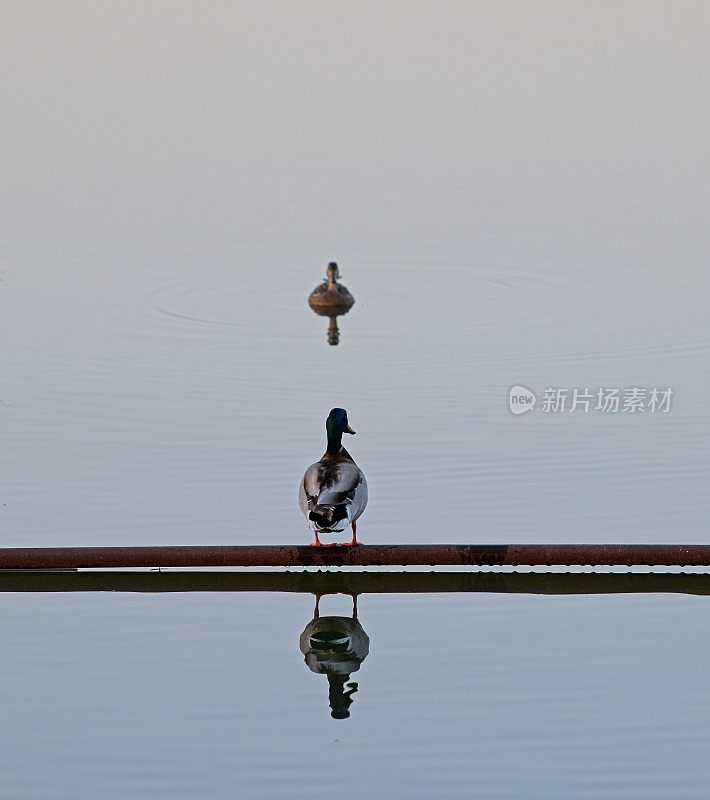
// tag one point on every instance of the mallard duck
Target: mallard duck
(333, 491)
(330, 294)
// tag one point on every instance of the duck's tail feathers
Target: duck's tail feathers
(330, 517)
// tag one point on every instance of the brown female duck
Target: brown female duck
(331, 294)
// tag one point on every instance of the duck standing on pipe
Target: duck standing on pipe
(333, 492)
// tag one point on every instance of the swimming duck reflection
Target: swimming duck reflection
(335, 647)
(331, 299)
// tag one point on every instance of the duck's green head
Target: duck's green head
(336, 425)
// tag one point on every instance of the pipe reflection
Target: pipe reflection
(335, 647)
(353, 582)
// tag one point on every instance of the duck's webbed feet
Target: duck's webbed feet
(318, 542)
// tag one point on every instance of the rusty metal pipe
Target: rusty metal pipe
(683, 555)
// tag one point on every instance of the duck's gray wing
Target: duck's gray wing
(359, 497)
(348, 488)
(307, 493)
(332, 483)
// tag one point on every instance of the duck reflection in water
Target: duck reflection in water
(331, 299)
(335, 647)
(333, 330)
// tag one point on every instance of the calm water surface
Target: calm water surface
(173, 393)
(526, 205)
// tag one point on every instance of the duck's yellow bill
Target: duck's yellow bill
(348, 429)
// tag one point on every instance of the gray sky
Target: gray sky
(96, 92)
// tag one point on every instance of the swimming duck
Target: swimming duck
(331, 294)
(333, 491)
